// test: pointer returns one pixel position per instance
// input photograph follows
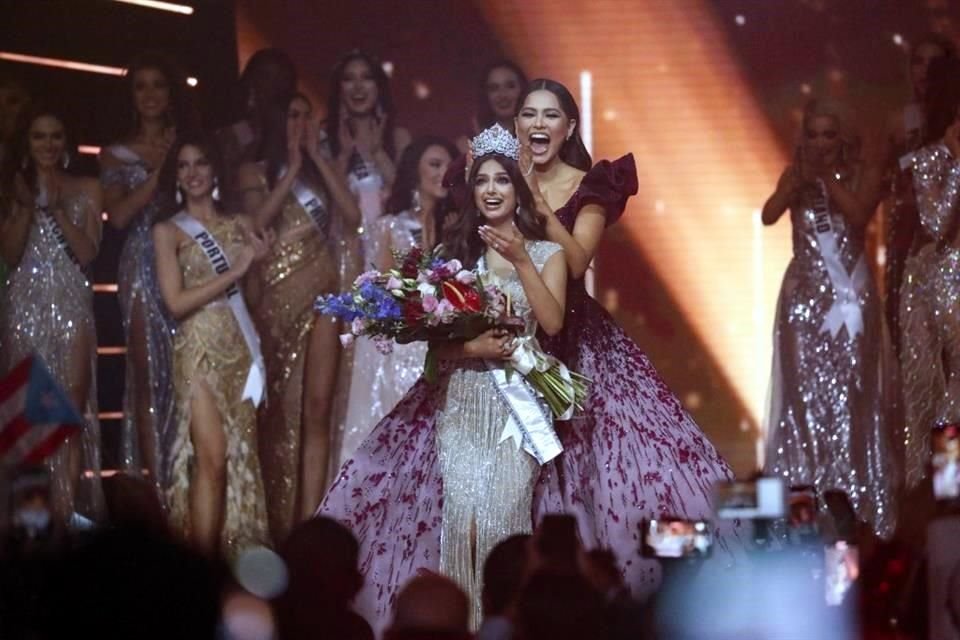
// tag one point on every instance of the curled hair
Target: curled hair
(182, 112)
(167, 181)
(461, 239)
(258, 62)
(335, 100)
(943, 97)
(17, 159)
(485, 116)
(573, 151)
(844, 119)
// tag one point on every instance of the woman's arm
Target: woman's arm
(83, 239)
(121, 205)
(183, 301)
(859, 205)
(785, 193)
(333, 178)
(579, 247)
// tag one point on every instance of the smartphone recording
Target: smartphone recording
(677, 538)
(945, 458)
(759, 499)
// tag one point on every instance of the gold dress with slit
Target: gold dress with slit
(209, 348)
(300, 267)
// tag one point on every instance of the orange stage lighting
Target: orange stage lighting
(666, 86)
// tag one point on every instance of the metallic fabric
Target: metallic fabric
(209, 349)
(47, 309)
(828, 423)
(138, 289)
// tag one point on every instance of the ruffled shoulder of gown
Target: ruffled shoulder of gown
(608, 184)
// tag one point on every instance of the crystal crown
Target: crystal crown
(495, 139)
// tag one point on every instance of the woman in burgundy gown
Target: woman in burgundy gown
(634, 453)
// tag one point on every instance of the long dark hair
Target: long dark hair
(573, 151)
(17, 159)
(243, 98)
(485, 116)
(182, 112)
(408, 171)
(273, 147)
(461, 239)
(167, 182)
(943, 97)
(335, 101)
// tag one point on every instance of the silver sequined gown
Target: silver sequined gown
(934, 397)
(378, 381)
(431, 487)
(47, 309)
(827, 421)
(137, 285)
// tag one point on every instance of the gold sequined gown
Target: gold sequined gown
(828, 423)
(209, 348)
(379, 381)
(432, 487)
(47, 309)
(300, 267)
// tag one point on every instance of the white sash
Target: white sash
(256, 377)
(47, 220)
(366, 184)
(313, 204)
(530, 423)
(845, 310)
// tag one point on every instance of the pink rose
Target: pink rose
(394, 283)
(429, 303)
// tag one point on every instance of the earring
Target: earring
(415, 201)
(66, 159)
(216, 190)
(518, 209)
(179, 196)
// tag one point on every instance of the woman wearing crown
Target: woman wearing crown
(434, 486)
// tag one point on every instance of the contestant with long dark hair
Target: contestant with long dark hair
(635, 452)
(433, 487)
(297, 192)
(828, 423)
(362, 132)
(129, 171)
(49, 235)
(414, 217)
(216, 496)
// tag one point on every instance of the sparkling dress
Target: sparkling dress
(137, 286)
(209, 348)
(430, 473)
(300, 267)
(930, 298)
(634, 453)
(829, 402)
(47, 309)
(378, 380)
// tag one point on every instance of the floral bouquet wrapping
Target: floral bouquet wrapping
(431, 299)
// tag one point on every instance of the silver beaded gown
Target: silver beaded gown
(137, 285)
(379, 381)
(935, 396)
(47, 308)
(827, 423)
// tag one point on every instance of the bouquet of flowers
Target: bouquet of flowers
(431, 299)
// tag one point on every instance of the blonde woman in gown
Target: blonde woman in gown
(379, 381)
(216, 497)
(829, 422)
(49, 235)
(300, 348)
(432, 486)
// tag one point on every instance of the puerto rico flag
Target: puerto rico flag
(35, 414)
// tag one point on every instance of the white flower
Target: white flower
(466, 277)
(394, 283)
(427, 289)
(357, 326)
(346, 339)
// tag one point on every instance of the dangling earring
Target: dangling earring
(179, 197)
(216, 190)
(518, 209)
(66, 159)
(415, 201)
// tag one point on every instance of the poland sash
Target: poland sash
(256, 377)
(845, 310)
